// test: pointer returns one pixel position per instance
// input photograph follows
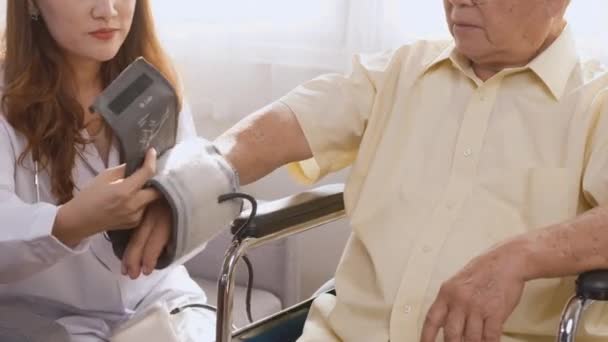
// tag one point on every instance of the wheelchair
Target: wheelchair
(295, 214)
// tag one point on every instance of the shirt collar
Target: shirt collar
(451, 54)
(553, 66)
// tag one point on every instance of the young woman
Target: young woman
(61, 185)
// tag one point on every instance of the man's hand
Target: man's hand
(148, 241)
(473, 305)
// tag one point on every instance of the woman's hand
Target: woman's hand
(148, 241)
(109, 202)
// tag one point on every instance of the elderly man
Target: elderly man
(478, 169)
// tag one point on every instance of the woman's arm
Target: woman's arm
(36, 236)
(27, 245)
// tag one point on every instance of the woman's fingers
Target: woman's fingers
(138, 179)
(144, 197)
(155, 246)
(148, 241)
(132, 257)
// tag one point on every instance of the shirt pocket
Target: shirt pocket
(540, 196)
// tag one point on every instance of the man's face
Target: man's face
(501, 32)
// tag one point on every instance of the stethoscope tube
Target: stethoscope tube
(37, 171)
(37, 181)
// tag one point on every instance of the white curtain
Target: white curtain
(259, 49)
(325, 32)
(317, 35)
(241, 54)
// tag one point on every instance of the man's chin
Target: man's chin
(472, 50)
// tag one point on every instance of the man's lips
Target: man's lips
(464, 28)
(464, 24)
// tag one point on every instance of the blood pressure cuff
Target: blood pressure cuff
(192, 176)
(142, 109)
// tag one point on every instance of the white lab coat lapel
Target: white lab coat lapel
(91, 161)
(131, 290)
(89, 165)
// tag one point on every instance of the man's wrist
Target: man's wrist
(521, 250)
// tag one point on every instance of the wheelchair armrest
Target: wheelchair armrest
(593, 285)
(274, 216)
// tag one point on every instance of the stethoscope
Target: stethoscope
(37, 172)
(36, 181)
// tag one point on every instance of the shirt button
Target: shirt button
(407, 309)
(426, 249)
(468, 152)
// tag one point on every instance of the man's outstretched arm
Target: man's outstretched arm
(260, 143)
(263, 142)
(569, 248)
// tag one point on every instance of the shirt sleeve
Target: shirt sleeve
(27, 245)
(595, 176)
(185, 126)
(333, 111)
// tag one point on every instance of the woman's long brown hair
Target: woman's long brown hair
(38, 97)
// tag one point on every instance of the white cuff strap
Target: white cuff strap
(192, 176)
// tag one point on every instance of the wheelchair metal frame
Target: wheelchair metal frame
(234, 254)
(573, 314)
(590, 287)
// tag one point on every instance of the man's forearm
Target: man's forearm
(569, 248)
(263, 142)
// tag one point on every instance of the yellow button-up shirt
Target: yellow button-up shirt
(444, 166)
